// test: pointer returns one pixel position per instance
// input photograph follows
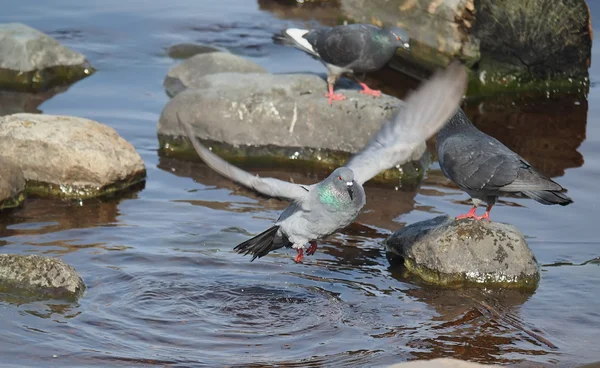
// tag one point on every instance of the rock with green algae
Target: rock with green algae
(39, 277)
(187, 50)
(526, 46)
(12, 185)
(279, 120)
(69, 157)
(31, 61)
(447, 252)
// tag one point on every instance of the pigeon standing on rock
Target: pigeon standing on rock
(319, 210)
(348, 49)
(485, 168)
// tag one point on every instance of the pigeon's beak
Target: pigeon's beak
(350, 189)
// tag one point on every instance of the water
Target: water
(165, 288)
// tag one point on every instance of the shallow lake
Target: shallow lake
(165, 287)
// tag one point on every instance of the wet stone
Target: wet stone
(447, 252)
(256, 117)
(12, 185)
(187, 50)
(189, 73)
(39, 277)
(32, 61)
(69, 157)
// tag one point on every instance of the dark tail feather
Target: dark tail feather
(260, 245)
(549, 197)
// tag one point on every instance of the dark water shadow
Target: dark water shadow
(12, 102)
(546, 132)
(315, 12)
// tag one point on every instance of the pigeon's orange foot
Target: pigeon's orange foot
(300, 255)
(470, 214)
(368, 91)
(335, 97)
(312, 249)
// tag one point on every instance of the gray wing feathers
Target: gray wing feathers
(268, 186)
(425, 111)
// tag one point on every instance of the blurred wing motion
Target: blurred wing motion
(425, 111)
(268, 186)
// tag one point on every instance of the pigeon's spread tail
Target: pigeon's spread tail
(260, 245)
(294, 37)
(549, 197)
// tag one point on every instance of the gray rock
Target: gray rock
(283, 115)
(447, 252)
(188, 73)
(33, 61)
(187, 50)
(69, 157)
(43, 277)
(12, 185)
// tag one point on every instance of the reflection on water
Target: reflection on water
(165, 287)
(547, 133)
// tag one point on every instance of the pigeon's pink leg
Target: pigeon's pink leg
(368, 91)
(312, 249)
(334, 96)
(300, 255)
(470, 214)
(486, 215)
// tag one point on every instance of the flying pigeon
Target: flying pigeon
(320, 209)
(347, 49)
(485, 168)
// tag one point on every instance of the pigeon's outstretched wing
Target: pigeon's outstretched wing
(268, 186)
(425, 111)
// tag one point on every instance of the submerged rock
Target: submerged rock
(271, 118)
(40, 277)
(32, 61)
(187, 50)
(69, 157)
(12, 185)
(448, 252)
(441, 363)
(188, 73)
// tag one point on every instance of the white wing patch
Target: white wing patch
(296, 34)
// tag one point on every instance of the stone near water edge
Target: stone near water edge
(512, 46)
(187, 50)
(12, 185)
(69, 157)
(39, 277)
(31, 61)
(285, 118)
(447, 252)
(186, 74)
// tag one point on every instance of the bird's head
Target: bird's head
(343, 181)
(402, 36)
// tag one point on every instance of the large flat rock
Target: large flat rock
(12, 185)
(190, 72)
(32, 61)
(448, 252)
(277, 117)
(69, 157)
(39, 277)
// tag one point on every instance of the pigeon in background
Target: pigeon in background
(320, 209)
(485, 168)
(347, 49)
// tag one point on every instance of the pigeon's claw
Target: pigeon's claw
(300, 255)
(334, 96)
(368, 91)
(312, 249)
(470, 214)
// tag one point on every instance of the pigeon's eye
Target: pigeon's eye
(339, 178)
